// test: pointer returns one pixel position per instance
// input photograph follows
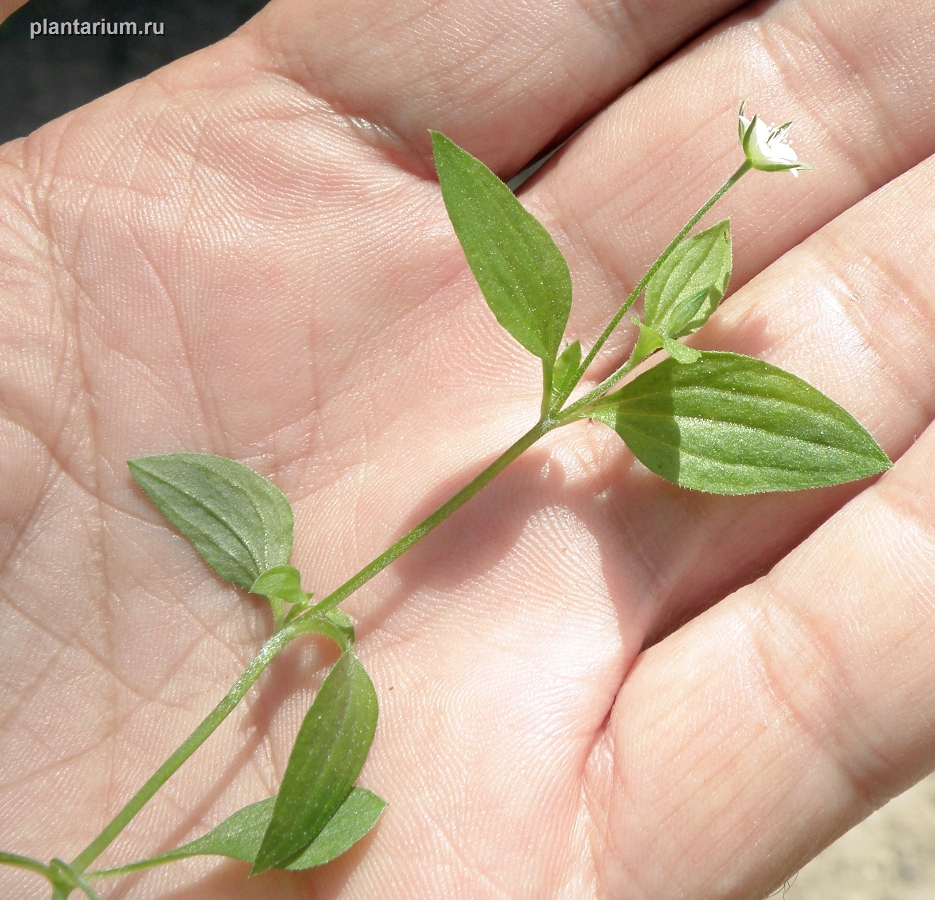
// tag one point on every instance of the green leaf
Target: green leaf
(679, 352)
(684, 312)
(329, 753)
(565, 367)
(355, 817)
(732, 424)
(650, 340)
(647, 343)
(694, 275)
(239, 836)
(333, 623)
(521, 272)
(283, 582)
(239, 522)
(336, 624)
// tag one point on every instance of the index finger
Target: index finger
(498, 79)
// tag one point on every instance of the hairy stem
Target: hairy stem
(210, 724)
(543, 426)
(635, 293)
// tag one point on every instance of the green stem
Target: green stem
(220, 712)
(282, 637)
(577, 411)
(543, 426)
(634, 294)
(547, 374)
(23, 862)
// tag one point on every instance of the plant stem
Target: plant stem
(634, 294)
(220, 712)
(283, 636)
(575, 410)
(24, 862)
(541, 427)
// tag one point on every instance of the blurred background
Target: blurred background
(891, 856)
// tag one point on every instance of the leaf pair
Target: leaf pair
(242, 526)
(726, 424)
(683, 293)
(329, 753)
(240, 835)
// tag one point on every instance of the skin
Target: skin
(592, 684)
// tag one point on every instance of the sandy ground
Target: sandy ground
(890, 856)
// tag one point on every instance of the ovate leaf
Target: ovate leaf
(521, 272)
(679, 352)
(732, 424)
(239, 836)
(650, 340)
(239, 522)
(328, 755)
(688, 286)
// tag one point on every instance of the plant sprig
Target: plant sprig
(706, 420)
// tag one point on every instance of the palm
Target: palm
(219, 260)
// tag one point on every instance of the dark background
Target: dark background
(45, 77)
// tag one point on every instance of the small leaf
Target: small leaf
(283, 582)
(732, 424)
(344, 627)
(521, 272)
(354, 818)
(684, 312)
(565, 367)
(239, 836)
(679, 352)
(238, 521)
(647, 343)
(329, 753)
(334, 624)
(699, 266)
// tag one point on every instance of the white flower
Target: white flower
(767, 148)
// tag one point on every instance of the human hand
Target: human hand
(247, 254)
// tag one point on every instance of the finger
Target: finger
(8, 7)
(745, 742)
(501, 79)
(864, 276)
(840, 70)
